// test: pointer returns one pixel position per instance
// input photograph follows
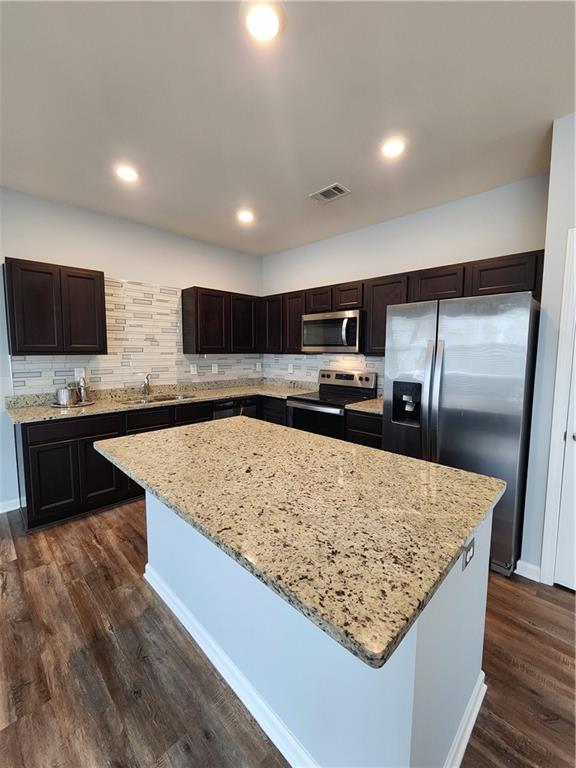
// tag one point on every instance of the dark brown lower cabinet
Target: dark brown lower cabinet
(364, 429)
(54, 489)
(101, 483)
(273, 409)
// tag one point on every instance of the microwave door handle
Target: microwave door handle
(425, 405)
(435, 404)
(344, 327)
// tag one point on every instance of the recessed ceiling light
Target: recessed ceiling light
(393, 147)
(245, 216)
(127, 173)
(263, 22)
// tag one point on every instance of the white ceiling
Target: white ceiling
(214, 122)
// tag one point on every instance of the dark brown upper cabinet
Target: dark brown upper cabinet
(506, 274)
(318, 299)
(271, 324)
(83, 311)
(205, 321)
(245, 323)
(53, 309)
(436, 283)
(292, 310)
(348, 296)
(380, 293)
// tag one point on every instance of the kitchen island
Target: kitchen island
(373, 655)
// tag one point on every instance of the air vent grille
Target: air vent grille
(330, 193)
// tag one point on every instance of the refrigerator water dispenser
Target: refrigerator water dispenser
(406, 402)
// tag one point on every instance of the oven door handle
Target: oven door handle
(313, 407)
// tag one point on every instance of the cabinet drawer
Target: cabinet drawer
(364, 422)
(145, 421)
(192, 413)
(88, 426)
(364, 438)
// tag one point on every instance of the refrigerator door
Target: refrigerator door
(410, 348)
(481, 401)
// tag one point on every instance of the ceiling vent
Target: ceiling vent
(330, 193)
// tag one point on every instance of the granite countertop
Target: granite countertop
(355, 538)
(368, 406)
(35, 413)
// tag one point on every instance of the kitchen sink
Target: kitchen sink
(155, 399)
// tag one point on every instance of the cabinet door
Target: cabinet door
(54, 481)
(293, 309)
(244, 323)
(213, 321)
(436, 283)
(100, 481)
(319, 299)
(271, 310)
(503, 275)
(380, 293)
(149, 419)
(83, 311)
(273, 409)
(348, 296)
(33, 302)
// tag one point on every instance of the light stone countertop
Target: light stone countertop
(368, 406)
(355, 538)
(36, 413)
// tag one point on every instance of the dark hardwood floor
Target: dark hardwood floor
(95, 672)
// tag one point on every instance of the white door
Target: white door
(564, 571)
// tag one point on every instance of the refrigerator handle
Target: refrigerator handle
(425, 405)
(435, 405)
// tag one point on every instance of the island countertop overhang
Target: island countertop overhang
(356, 539)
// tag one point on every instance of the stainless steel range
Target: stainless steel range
(322, 412)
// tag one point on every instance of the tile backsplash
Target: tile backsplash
(144, 336)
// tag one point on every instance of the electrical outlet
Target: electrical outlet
(258, 366)
(79, 373)
(290, 367)
(193, 369)
(468, 554)
(214, 367)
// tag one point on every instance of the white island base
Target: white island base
(316, 701)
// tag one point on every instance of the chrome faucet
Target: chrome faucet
(145, 388)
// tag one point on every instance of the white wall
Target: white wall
(561, 217)
(504, 220)
(35, 228)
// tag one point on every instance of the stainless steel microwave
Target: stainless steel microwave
(332, 332)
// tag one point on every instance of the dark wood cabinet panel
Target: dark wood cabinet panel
(380, 293)
(318, 299)
(147, 420)
(273, 409)
(293, 309)
(83, 311)
(348, 296)
(244, 323)
(101, 482)
(54, 481)
(34, 307)
(507, 274)
(205, 321)
(192, 413)
(438, 283)
(271, 323)
(364, 429)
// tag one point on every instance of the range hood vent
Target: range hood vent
(330, 193)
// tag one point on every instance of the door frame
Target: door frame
(559, 414)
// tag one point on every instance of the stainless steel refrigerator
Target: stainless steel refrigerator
(458, 391)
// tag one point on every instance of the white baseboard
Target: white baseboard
(456, 751)
(270, 723)
(8, 506)
(528, 570)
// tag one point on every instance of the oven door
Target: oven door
(331, 332)
(325, 420)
